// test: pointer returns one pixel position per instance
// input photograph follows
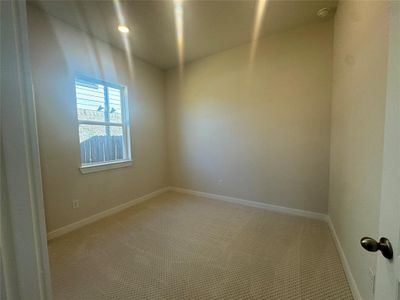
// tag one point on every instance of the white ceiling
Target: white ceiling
(209, 26)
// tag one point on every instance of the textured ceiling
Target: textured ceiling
(209, 26)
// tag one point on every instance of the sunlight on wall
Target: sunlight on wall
(258, 20)
(178, 10)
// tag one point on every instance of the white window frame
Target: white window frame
(125, 124)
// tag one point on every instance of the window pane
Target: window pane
(90, 101)
(101, 143)
(117, 143)
(114, 99)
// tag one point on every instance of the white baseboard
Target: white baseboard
(68, 228)
(281, 209)
(345, 263)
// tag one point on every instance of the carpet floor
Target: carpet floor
(177, 246)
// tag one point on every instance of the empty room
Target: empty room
(190, 149)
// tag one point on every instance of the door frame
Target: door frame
(25, 272)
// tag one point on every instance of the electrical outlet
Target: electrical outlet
(75, 203)
(371, 280)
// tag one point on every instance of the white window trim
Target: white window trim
(125, 124)
(86, 169)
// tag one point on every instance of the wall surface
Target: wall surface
(358, 105)
(259, 133)
(58, 52)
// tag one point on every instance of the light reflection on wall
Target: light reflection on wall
(178, 10)
(258, 20)
(124, 36)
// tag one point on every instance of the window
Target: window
(103, 124)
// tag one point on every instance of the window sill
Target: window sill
(105, 166)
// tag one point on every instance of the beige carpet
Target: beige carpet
(184, 247)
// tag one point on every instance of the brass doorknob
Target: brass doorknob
(383, 245)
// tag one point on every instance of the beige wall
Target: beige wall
(58, 51)
(359, 84)
(263, 138)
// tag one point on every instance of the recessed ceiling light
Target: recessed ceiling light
(323, 12)
(123, 29)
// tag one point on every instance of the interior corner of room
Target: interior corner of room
(198, 146)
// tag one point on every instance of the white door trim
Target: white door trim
(23, 233)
